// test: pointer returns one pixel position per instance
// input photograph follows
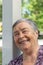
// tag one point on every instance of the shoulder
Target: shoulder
(40, 55)
(40, 52)
(41, 49)
(39, 60)
(16, 61)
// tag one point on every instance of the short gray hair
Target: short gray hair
(32, 23)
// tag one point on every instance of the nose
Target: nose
(21, 35)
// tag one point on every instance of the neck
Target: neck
(31, 57)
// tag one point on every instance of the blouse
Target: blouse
(19, 60)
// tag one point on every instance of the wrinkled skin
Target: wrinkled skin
(25, 37)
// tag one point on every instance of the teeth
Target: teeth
(22, 41)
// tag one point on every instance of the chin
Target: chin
(28, 51)
(25, 48)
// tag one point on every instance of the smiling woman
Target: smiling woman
(25, 36)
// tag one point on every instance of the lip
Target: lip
(23, 41)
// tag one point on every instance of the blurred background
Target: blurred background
(0, 32)
(31, 9)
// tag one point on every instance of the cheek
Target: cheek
(15, 40)
(32, 37)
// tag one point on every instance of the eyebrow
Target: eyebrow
(21, 30)
(24, 28)
(15, 32)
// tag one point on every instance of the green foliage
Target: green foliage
(34, 11)
(0, 12)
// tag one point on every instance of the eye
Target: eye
(16, 34)
(25, 31)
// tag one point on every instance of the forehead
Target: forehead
(22, 25)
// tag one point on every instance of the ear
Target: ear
(36, 33)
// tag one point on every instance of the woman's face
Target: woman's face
(24, 36)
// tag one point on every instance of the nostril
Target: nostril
(28, 39)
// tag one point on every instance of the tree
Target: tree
(33, 9)
(0, 12)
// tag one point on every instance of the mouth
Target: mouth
(24, 41)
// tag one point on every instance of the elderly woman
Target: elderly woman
(25, 35)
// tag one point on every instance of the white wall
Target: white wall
(16, 15)
(16, 9)
(7, 50)
(11, 12)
